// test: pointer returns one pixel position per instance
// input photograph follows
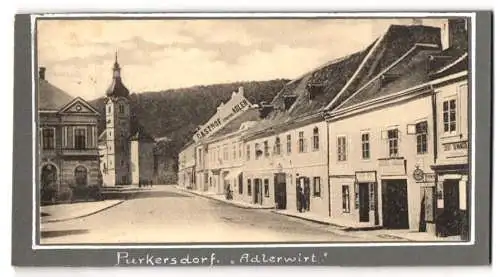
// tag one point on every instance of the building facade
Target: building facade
(67, 140)
(186, 174)
(126, 151)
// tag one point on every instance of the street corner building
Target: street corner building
(389, 138)
(126, 150)
(67, 140)
(375, 139)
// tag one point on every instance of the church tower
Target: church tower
(116, 156)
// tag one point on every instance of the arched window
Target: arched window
(121, 108)
(315, 138)
(49, 175)
(81, 176)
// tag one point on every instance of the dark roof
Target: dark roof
(409, 72)
(340, 78)
(51, 97)
(117, 88)
(450, 61)
(251, 114)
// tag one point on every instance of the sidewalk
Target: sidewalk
(415, 236)
(64, 212)
(222, 198)
(345, 225)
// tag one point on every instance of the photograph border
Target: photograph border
(480, 134)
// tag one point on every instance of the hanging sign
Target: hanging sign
(225, 113)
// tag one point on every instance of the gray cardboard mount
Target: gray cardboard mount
(24, 255)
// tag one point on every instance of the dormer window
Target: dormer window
(289, 100)
(265, 109)
(388, 78)
(314, 89)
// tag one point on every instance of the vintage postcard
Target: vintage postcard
(353, 130)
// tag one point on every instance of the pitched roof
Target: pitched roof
(51, 97)
(407, 73)
(234, 125)
(340, 78)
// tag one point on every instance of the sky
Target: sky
(163, 54)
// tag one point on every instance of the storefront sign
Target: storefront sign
(455, 146)
(392, 166)
(366, 177)
(234, 107)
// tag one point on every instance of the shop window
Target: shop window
(372, 198)
(345, 199)
(266, 187)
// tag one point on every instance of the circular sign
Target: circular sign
(418, 174)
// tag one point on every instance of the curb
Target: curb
(227, 202)
(312, 220)
(343, 228)
(81, 216)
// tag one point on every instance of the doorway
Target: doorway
(395, 204)
(49, 175)
(451, 212)
(257, 188)
(364, 202)
(280, 190)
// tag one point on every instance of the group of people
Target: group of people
(303, 193)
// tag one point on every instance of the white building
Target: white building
(126, 151)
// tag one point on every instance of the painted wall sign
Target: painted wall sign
(232, 108)
(366, 177)
(461, 145)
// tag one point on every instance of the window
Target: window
(225, 153)
(301, 142)
(392, 136)
(266, 149)
(341, 149)
(234, 152)
(345, 199)
(266, 187)
(421, 132)
(356, 196)
(277, 146)
(121, 108)
(81, 176)
(80, 138)
(199, 156)
(240, 149)
(109, 109)
(48, 138)
(248, 152)
(258, 152)
(240, 185)
(450, 116)
(105, 169)
(317, 186)
(288, 144)
(365, 146)
(315, 139)
(249, 187)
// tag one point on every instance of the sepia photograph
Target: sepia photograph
(186, 131)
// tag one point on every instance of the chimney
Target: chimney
(454, 34)
(41, 73)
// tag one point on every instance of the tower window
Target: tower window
(121, 108)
